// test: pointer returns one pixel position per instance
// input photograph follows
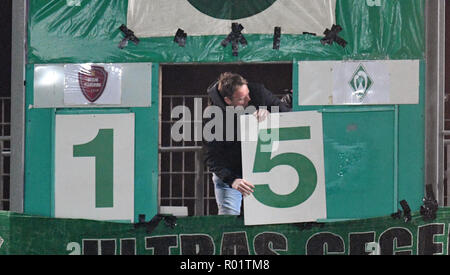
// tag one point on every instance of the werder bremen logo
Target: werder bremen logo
(361, 83)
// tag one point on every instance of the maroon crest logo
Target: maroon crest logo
(93, 82)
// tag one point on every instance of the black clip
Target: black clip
(332, 36)
(235, 37)
(406, 212)
(277, 38)
(170, 221)
(309, 33)
(180, 37)
(129, 36)
(430, 205)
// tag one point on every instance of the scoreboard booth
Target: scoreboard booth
(93, 101)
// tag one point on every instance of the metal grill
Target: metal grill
(5, 152)
(184, 181)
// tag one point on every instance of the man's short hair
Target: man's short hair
(229, 83)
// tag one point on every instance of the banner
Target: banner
(199, 17)
(224, 235)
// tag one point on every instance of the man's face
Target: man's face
(241, 97)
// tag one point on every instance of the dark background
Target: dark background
(5, 47)
(447, 65)
(195, 79)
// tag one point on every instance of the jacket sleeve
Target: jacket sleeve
(271, 100)
(214, 152)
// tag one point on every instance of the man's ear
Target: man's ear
(227, 100)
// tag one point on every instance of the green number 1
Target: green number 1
(303, 166)
(101, 147)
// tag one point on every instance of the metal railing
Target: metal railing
(5, 152)
(199, 174)
(4, 173)
(183, 178)
(447, 167)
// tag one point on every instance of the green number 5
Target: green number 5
(101, 147)
(305, 169)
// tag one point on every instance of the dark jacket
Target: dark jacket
(224, 157)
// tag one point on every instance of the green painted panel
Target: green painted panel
(412, 148)
(400, 129)
(146, 154)
(359, 164)
(38, 154)
(39, 140)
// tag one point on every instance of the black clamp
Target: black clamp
(169, 221)
(309, 33)
(180, 38)
(333, 36)
(406, 212)
(235, 37)
(276, 38)
(430, 205)
(129, 36)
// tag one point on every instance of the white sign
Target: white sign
(94, 167)
(58, 86)
(163, 18)
(358, 82)
(286, 164)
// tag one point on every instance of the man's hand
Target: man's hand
(261, 114)
(243, 186)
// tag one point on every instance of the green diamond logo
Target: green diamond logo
(361, 82)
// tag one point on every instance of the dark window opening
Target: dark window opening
(181, 175)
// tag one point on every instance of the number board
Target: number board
(94, 166)
(283, 157)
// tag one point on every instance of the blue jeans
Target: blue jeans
(228, 200)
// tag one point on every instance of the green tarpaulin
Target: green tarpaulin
(62, 33)
(223, 235)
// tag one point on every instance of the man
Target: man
(223, 157)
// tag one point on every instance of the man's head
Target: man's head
(234, 89)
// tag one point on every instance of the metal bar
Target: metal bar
(434, 105)
(180, 149)
(396, 172)
(358, 109)
(19, 16)
(447, 171)
(199, 190)
(2, 187)
(182, 164)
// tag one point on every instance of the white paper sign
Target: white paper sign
(359, 82)
(92, 84)
(94, 166)
(286, 165)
